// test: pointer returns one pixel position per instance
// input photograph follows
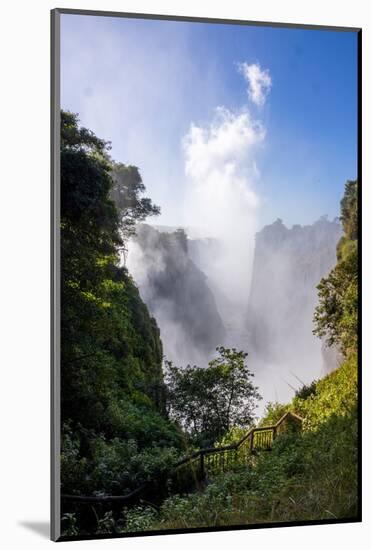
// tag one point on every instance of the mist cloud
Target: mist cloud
(258, 80)
(222, 200)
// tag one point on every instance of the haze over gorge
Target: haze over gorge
(271, 315)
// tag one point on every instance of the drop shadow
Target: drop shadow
(41, 528)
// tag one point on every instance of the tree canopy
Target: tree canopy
(208, 402)
(336, 316)
(126, 192)
(113, 392)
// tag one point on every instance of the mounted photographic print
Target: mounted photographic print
(205, 281)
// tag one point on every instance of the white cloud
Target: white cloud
(221, 200)
(222, 146)
(258, 80)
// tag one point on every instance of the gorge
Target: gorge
(272, 319)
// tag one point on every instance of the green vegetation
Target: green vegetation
(207, 402)
(312, 475)
(125, 192)
(336, 314)
(122, 425)
(115, 431)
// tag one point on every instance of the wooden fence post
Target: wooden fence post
(202, 465)
(252, 442)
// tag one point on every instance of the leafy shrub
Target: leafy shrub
(139, 518)
(115, 466)
(69, 525)
(273, 412)
(306, 390)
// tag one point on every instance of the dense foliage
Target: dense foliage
(115, 431)
(336, 316)
(208, 402)
(125, 192)
(305, 477)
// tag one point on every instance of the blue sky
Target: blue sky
(142, 84)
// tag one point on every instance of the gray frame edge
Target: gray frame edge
(55, 509)
(196, 19)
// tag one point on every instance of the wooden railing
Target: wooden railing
(208, 461)
(219, 459)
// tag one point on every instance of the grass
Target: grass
(307, 476)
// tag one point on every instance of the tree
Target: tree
(336, 316)
(208, 402)
(112, 387)
(108, 337)
(349, 211)
(126, 192)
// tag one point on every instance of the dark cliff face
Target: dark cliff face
(194, 314)
(177, 294)
(288, 265)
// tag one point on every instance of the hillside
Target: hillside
(305, 477)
